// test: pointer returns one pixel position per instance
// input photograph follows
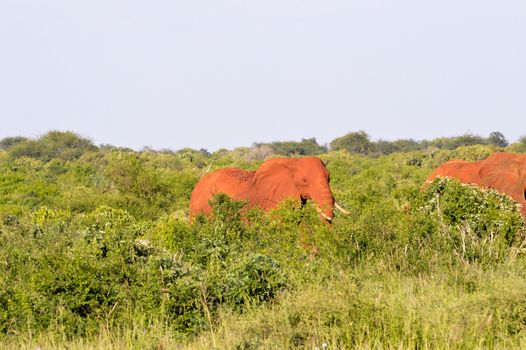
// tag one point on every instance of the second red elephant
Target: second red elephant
(502, 171)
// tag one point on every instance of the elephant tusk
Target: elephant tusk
(340, 208)
(323, 215)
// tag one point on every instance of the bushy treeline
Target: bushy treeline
(68, 146)
(96, 252)
(290, 148)
(361, 143)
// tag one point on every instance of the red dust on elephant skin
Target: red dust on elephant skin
(274, 181)
(502, 171)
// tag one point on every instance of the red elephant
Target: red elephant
(502, 171)
(274, 181)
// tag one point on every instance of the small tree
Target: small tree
(497, 138)
(65, 145)
(354, 142)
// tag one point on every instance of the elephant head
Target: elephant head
(302, 179)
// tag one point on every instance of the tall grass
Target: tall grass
(463, 309)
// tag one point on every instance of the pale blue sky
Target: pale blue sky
(212, 74)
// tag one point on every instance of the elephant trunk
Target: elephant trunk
(323, 215)
(325, 205)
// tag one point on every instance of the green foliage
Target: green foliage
(257, 280)
(388, 147)
(56, 277)
(354, 142)
(434, 157)
(360, 143)
(97, 252)
(473, 153)
(458, 141)
(305, 147)
(55, 144)
(129, 175)
(95, 268)
(519, 146)
(142, 187)
(497, 138)
(172, 233)
(9, 142)
(481, 224)
(197, 158)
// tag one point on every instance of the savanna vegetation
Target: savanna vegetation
(96, 251)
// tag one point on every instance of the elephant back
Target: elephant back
(230, 181)
(461, 170)
(506, 172)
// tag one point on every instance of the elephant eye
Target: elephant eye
(304, 180)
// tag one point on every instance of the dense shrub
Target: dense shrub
(257, 280)
(76, 272)
(355, 142)
(55, 144)
(481, 223)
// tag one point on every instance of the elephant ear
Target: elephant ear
(503, 176)
(272, 185)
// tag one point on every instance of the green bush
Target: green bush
(519, 146)
(259, 279)
(481, 223)
(354, 142)
(55, 144)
